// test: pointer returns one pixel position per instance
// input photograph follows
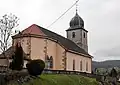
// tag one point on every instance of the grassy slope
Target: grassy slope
(49, 79)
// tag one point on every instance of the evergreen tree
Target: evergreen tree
(17, 63)
(113, 73)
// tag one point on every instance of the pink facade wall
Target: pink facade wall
(78, 58)
(56, 51)
(53, 49)
(37, 48)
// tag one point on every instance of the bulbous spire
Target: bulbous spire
(77, 22)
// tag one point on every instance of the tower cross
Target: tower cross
(76, 7)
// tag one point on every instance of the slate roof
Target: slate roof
(77, 21)
(68, 44)
(10, 52)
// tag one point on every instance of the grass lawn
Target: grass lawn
(60, 79)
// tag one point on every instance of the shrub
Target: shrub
(35, 67)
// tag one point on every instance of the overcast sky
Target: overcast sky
(101, 17)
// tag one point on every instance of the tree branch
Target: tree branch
(7, 23)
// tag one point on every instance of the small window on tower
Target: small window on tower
(84, 35)
(73, 34)
(81, 65)
(73, 64)
(86, 66)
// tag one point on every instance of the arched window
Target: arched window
(73, 34)
(73, 64)
(48, 62)
(51, 62)
(84, 35)
(81, 65)
(86, 66)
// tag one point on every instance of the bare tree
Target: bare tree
(7, 23)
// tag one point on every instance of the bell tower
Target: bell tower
(77, 33)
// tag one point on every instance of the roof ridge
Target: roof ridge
(66, 41)
(57, 34)
(50, 31)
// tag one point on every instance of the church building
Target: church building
(58, 52)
